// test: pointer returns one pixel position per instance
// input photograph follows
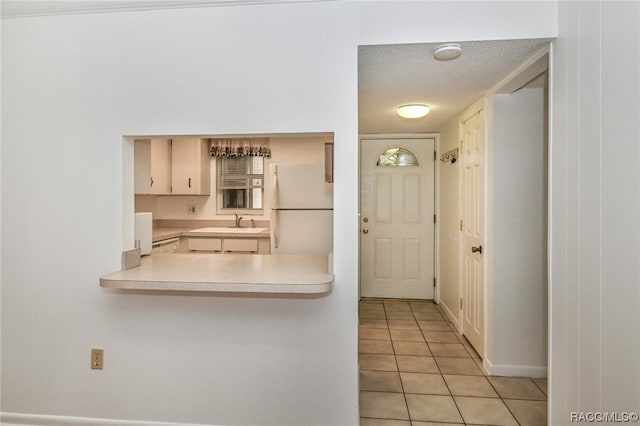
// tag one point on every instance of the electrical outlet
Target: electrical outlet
(191, 209)
(97, 359)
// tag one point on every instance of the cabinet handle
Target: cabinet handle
(151, 179)
(189, 182)
(476, 249)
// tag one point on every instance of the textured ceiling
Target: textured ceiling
(392, 75)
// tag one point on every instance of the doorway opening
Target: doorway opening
(397, 190)
(495, 78)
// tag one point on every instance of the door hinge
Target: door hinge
(461, 303)
(434, 156)
(461, 224)
(434, 281)
(434, 218)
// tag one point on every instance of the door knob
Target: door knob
(476, 249)
(365, 231)
(365, 219)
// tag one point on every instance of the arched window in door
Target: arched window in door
(397, 157)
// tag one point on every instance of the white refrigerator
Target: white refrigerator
(301, 210)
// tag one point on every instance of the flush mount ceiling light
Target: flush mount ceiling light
(447, 52)
(413, 110)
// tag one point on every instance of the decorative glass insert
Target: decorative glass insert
(397, 157)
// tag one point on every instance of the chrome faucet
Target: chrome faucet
(238, 219)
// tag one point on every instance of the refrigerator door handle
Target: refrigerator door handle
(274, 186)
(274, 200)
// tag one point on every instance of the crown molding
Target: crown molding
(32, 8)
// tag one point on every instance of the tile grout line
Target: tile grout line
(395, 358)
(397, 371)
(440, 370)
(440, 373)
(460, 337)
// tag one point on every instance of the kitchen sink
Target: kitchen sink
(230, 230)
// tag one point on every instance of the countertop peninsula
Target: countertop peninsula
(226, 273)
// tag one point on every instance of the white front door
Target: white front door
(472, 225)
(397, 221)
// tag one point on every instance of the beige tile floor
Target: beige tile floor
(415, 370)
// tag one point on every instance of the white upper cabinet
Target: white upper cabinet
(190, 167)
(152, 166)
(172, 166)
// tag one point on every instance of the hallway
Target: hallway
(415, 370)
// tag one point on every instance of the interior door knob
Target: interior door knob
(365, 219)
(365, 231)
(476, 249)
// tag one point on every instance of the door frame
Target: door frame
(436, 180)
(487, 255)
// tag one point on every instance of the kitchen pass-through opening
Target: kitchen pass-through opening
(282, 182)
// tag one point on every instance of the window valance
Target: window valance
(240, 147)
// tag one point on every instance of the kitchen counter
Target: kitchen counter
(227, 273)
(165, 233)
(160, 234)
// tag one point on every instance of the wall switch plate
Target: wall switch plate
(97, 359)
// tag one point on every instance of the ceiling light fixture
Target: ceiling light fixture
(413, 110)
(447, 52)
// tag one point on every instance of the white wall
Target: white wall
(448, 224)
(518, 326)
(595, 210)
(389, 22)
(515, 236)
(72, 86)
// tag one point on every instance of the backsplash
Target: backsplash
(195, 223)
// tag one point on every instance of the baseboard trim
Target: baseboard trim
(452, 318)
(19, 419)
(535, 372)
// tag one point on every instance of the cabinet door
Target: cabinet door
(142, 166)
(204, 244)
(160, 166)
(152, 166)
(183, 162)
(240, 245)
(191, 166)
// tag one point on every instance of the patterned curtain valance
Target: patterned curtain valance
(240, 147)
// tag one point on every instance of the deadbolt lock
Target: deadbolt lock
(365, 219)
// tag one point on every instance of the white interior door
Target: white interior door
(397, 221)
(473, 154)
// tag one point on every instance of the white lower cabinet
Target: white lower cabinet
(204, 244)
(226, 245)
(243, 245)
